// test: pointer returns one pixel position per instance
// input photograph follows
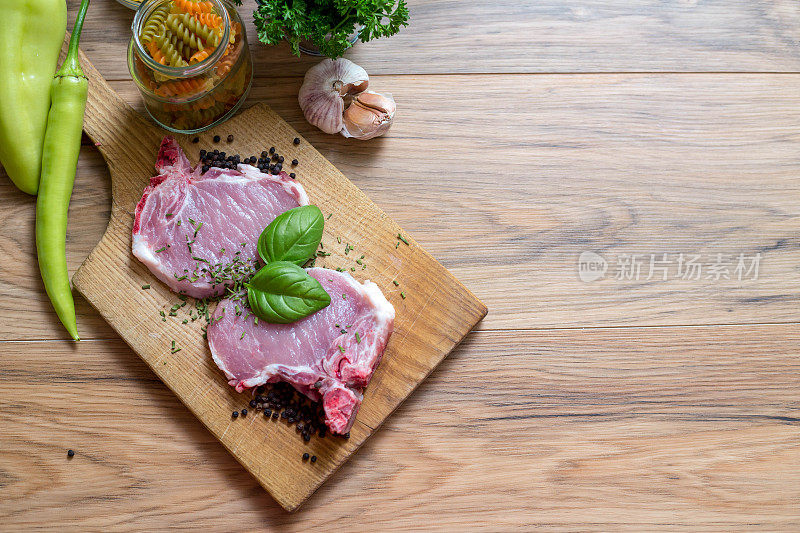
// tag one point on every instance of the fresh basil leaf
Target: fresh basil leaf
(282, 292)
(293, 236)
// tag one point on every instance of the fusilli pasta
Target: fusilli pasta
(183, 49)
(184, 33)
(226, 63)
(200, 55)
(182, 87)
(155, 23)
(175, 24)
(192, 31)
(212, 20)
(170, 50)
(192, 6)
(152, 47)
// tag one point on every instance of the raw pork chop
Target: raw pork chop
(196, 232)
(329, 355)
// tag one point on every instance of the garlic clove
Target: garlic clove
(324, 112)
(325, 87)
(370, 115)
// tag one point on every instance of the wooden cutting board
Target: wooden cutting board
(434, 317)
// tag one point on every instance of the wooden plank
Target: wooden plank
(433, 313)
(621, 428)
(508, 193)
(26, 310)
(504, 36)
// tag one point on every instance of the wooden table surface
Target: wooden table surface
(527, 133)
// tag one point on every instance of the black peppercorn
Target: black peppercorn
(275, 415)
(346, 435)
(230, 138)
(292, 175)
(274, 170)
(267, 413)
(272, 150)
(244, 412)
(235, 414)
(70, 453)
(305, 456)
(296, 140)
(253, 403)
(306, 437)
(313, 458)
(216, 138)
(294, 162)
(280, 159)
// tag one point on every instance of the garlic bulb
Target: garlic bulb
(325, 87)
(371, 114)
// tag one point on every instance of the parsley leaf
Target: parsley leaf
(328, 23)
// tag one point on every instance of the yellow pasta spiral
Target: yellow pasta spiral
(193, 32)
(171, 52)
(155, 53)
(155, 24)
(190, 38)
(183, 49)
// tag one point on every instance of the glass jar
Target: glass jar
(133, 4)
(197, 93)
(311, 48)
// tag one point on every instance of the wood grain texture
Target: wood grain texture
(507, 200)
(433, 312)
(511, 36)
(505, 179)
(601, 429)
(24, 306)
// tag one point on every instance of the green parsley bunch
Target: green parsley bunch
(328, 23)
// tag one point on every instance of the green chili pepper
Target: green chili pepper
(31, 35)
(62, 143)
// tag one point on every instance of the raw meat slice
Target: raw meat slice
(329, 355)
(197, 232)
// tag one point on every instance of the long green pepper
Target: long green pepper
(31, 35)
(62, 142)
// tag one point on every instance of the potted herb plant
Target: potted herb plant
(327, 27)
